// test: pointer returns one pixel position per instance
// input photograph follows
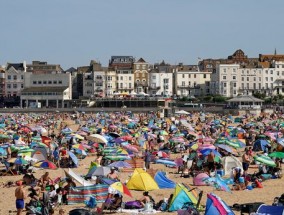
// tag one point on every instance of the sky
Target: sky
(74, 32)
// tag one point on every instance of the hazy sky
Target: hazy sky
(73, 32)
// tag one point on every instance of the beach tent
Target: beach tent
(229, 163)
(215, 205)
(39, 153)
(181, 196)
(163, 182)
(141, 180)
(260, 145)
(271, 210)
(198, 180)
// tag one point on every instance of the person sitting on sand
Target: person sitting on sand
(113, 175)
(114, 204)
(45, 179)
(146, 199)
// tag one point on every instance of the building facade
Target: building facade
(123, 66)
(189, 81)
(14, 79)
(40, 67)
(141, 81)
(47, 90)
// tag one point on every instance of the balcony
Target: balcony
(154, 88)
(188, 86)
(99, 81)
(125, 88)
(140, 84)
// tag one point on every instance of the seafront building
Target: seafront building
(235, 75)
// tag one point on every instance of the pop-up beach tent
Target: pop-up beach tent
(181, 196)
(229, 163)
(198, 180)
(141, 180)
(271, 210)
(215, 205)
(163, 182)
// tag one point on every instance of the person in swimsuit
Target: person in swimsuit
(20, 195)
(113, 175)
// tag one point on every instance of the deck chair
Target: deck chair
(9, 168)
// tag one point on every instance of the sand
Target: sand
(271, 189)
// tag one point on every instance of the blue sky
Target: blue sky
(73, 32)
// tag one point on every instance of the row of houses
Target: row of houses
(50, 85)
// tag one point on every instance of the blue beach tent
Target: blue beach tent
(163, 182)
(260, 145)
(271, 210)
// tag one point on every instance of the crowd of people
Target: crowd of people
(186, 136)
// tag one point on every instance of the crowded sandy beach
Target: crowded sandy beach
(130, 163)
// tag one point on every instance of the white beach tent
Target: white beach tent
(182, 112)
(229, 163)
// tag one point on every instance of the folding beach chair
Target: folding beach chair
(9, 168)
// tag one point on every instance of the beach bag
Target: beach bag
(133, 205)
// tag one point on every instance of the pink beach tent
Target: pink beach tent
(198, 180)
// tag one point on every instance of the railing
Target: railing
(249, 106)
(154, 88)
(189, 86)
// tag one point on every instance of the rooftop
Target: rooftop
(245, 98)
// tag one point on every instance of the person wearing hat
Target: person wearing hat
(20, 195)
(113, 175)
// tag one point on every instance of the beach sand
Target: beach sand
(271, 189)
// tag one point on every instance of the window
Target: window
(235, 92)
(54, 82)
(259, 85)
(9, 77)
(243, 78)
(129, 78)
(15, 86)
(194, 75)
(15, 77)
(189, 75)
(235, 85)
(271, 78)
(234, 70)
(225, 84)
(154, 77)
(224, 70)
(243, 72)
(22, 77)
(266, 71)
(8, 86)
(277, 72)
(266, 78)
(183, 83)
(254, 78)
(60, 82)
(44, 82)
(204, 75)
(243, 85)
(22, 86)
(224, 77)
(248, 85)
(129, 85)
(182, 75)
(39, 82)
(137, 80)
(49, 82)
(247, 78)
(121, 78)
(259, 78)
(121, 85)
(34, 82)
(234, 77)
(271, 72)
(137, 66)
(143, 66)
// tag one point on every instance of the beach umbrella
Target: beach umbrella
(206, 152)
(225, 147)
(126, 138)
(179, 162)
(78, 146)
(5, 136)
(121, 188)
(74, 158)
(102, 171)
(264, 160)
(77, 136)
(120, 164)
(97, 138)
(163, 132)
(18, 161)
(161, 154)
(45, 164)
(280, 141)
(277, 154)
(66, 131)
